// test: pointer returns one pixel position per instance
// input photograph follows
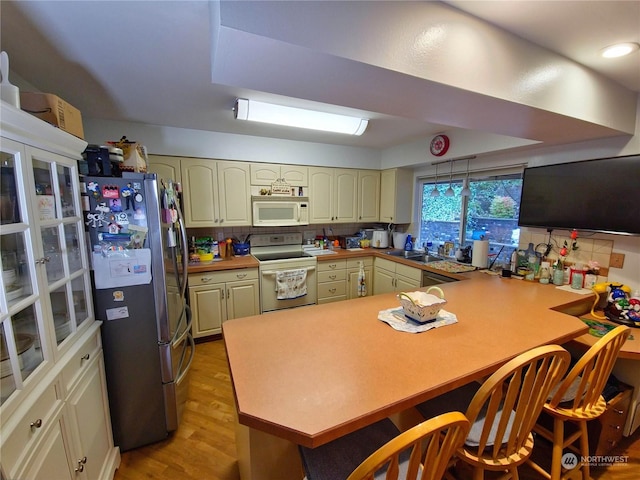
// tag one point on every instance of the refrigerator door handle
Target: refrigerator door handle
(185, 252)
(180, 334)
(182, 368)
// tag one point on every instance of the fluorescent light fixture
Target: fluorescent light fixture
(619, 50)
(298, 117)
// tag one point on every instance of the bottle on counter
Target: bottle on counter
(558, 273)
(514, 261)
(545, 274)
(362, 285)
(408, 245)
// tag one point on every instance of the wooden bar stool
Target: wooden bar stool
(401, 457)
(578, 399)
(504, 409)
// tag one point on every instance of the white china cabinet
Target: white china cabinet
(54, 411)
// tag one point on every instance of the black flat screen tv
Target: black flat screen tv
(601, 195)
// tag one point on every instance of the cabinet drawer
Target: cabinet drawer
(331, 266)
(74, 367)
(386, 264)
(331, 276)
(331, 289)
(206, 278)
(22, 439)
(409, 272)
(355, 262)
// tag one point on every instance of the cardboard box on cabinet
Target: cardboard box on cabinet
(54, 110)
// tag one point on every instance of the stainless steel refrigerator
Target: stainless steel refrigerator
(139, 263)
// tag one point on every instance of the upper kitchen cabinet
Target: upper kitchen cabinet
(215, 193)
(267, 173)
(166, 168)
(368, 195)
(396, 193)
(333, 195)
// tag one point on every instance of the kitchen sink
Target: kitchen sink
(416, 256)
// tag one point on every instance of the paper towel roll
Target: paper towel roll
(480, 254)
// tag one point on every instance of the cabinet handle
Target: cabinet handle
(85, 357)
(619, 412)
(332, 290)
(81, 462)
(241, 275)
(615, 427)
(36, 424)
(205, 279)
(332, 277)
(228, 294)
(333, 265)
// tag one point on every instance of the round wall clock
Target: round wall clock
(439, 145)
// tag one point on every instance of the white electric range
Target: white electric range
(280, 254)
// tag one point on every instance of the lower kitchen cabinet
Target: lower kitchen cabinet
(218, 296)
(65, 433)
(390, 276)
(353, 270)
(332, 278)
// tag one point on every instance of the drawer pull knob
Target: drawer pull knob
(85, 357)
(615, 427)
(332, 290)
(36, 424)
(332, 277)
(205, 279)
(241, 275)
(619, 412)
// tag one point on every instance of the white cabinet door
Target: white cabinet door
(368, 196)
(166, 168)
(295, 175)
(396, 194)
(208, 308)
(50, 459)
(264, 173)
(234, 194)
(243, 299)
(333, 195)
(91, 426)
(345, 206)
(321, 195)
(383, 281)
(200, 187)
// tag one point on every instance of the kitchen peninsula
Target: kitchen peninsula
(310, 375)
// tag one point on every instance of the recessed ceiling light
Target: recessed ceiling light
(619, 50)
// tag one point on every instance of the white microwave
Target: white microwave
(273, 211)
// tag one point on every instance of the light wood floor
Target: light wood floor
(203, 448)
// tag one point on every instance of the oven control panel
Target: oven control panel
(276, 239)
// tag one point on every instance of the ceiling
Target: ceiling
(183, 64)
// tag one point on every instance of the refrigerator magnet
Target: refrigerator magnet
(118, 296)
(110, 191)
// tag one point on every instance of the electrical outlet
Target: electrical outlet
(616, 260)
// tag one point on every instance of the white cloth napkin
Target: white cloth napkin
(398, 321)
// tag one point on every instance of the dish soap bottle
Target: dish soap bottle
(408, 246)
(362, 285)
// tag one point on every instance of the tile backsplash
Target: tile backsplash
(589, 249)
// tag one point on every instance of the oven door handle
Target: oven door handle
(273, 272)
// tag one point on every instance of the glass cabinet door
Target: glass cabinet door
(45, 288)
(21, 334)
(57, 210)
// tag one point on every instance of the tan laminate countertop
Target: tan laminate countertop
(313, 374)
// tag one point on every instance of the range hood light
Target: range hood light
(255, 111)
